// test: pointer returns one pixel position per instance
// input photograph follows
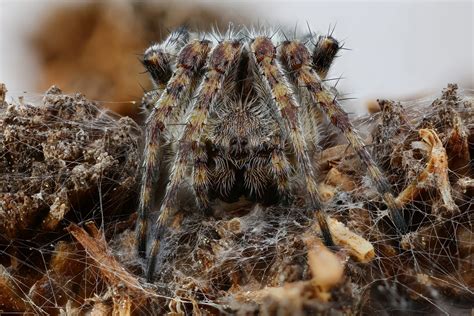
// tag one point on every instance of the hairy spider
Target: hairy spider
(227, 107)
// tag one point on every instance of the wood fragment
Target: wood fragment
(66, 270)
(334, 154)
(338, 179)
(57, 211)
(327, 269)
(326, 191)
(70, 310)
(100, 309)
(114, 273)
(457, 143)
(435, 173)
(122, 304)
(465, 183)
(373, 106)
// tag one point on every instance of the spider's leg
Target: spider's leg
(158, 60)
(201, 179)
(280, 166)
(296, 57)
(190, 61)
(325, 50)
(264, 54)
(222, 59)
(314, 124)
(149, 100)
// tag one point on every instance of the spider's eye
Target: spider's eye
(244, 142)
(233, 141)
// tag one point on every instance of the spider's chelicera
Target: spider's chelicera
(238, 113)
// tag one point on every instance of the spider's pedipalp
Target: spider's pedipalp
(296, 57)
(190, 61)
(280, 166)
(264, 54)
(201, 175)
(221, 60)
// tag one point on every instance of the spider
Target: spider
(238, 113)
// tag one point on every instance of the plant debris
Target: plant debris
(56, 155)
(251, 260)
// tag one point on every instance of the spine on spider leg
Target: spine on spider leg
(264, 53)
(221, 60)
(156, 123)
(296, 57)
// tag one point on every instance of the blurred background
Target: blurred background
(399, 49)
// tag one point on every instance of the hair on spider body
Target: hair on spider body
(239, 157)
(243, 108)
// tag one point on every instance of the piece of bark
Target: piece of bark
(113, 272)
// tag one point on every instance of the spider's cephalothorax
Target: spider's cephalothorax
(239, 113)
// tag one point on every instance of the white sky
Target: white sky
(399, 48)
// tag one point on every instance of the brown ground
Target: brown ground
(64, 163)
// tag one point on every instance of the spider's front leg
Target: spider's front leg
(264, 54)
(297, 59)
(158, 60)
(190, 61)
(223, 57)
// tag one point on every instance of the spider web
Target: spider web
(431, 273)
(212, 263)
